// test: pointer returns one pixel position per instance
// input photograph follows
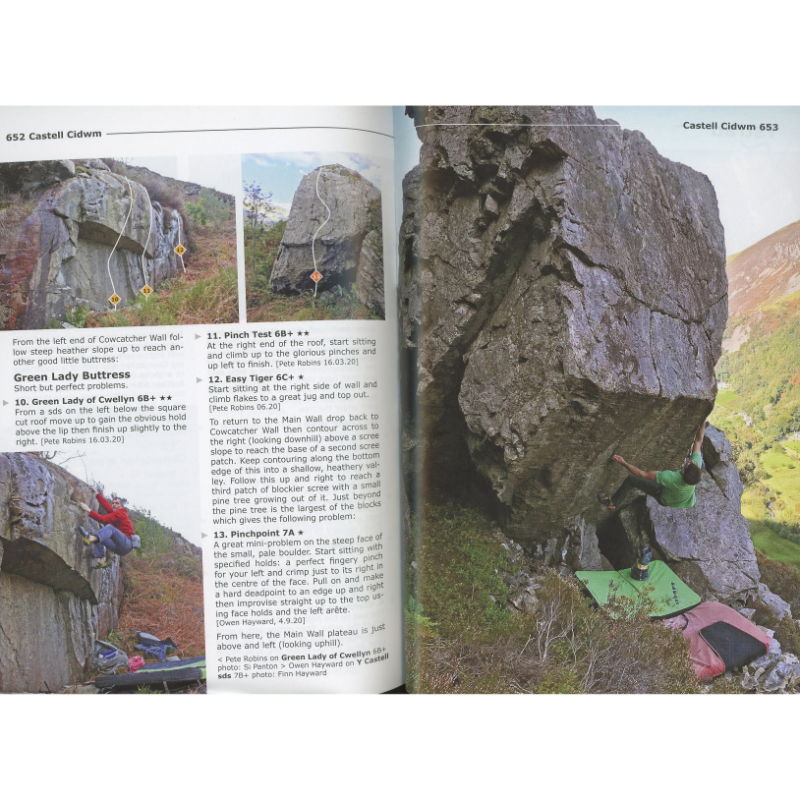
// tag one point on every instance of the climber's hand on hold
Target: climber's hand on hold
(84, 506)
(617, 459)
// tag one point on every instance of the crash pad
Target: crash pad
(719, 637)
(662, 594)
(186, 670)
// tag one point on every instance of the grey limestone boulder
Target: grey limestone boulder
(91, 233)
(348, 248)
(574, 303)
(777, 606)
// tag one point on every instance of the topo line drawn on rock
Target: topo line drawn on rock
(147, 240)
(316, 232)
(113, 249)
(179, 248)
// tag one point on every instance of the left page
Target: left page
(198, 431)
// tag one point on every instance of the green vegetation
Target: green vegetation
(764, 373)
(759, 410)
(261, 248)
(163, 590)
(208, 299)
(76, 316)
(210, 209)
(464, 635)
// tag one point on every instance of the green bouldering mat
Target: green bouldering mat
(189, 670)
(661, 595)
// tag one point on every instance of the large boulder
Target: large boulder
(53, 605)
(348, 247)
(88, 233)
(574, 303)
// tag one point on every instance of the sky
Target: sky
(280, 173)
(756, 175)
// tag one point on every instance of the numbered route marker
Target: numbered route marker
(114, 299)
(180, 249)
(146, 290)
(316, 276)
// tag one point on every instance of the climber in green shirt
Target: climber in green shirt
(673, 488)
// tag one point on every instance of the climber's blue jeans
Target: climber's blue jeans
(111, 539)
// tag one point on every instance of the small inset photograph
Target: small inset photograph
(313, 237)
(100, 590)
(107, 242)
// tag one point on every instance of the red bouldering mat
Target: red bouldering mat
(719, 637)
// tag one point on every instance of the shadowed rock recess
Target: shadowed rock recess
(86, 232)
(349, 248)
(52, 604)
(564, 294)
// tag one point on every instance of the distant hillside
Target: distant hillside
(765, 271)
(764, 372)
(758, 405)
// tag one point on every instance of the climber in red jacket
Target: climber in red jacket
(117, 532)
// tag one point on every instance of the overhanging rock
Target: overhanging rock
(87, 233)
(574, 304)
(52, 604)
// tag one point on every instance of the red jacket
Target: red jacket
(119, 518)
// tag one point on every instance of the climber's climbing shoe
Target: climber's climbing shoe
(85, 535)
(101, 563)
(605, 500)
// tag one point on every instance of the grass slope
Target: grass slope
(163, 591)
(464, 636)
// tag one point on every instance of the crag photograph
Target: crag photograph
(313, 237)
(97, 595)
(102, 242)
(602, 433)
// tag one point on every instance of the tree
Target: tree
(256, 206)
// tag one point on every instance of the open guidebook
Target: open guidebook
(461, 399)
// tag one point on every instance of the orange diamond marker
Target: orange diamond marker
(180, 249)
(114, 299)
(316, 276)
(146, 290)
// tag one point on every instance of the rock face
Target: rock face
(709, 545)
(88, 233)
(348, 248)
(574, 304)
(52, 604)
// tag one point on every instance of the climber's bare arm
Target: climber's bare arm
(698, 438)
(640, 473)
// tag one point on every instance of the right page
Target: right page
(600, 316)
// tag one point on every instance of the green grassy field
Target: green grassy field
(773, 546)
